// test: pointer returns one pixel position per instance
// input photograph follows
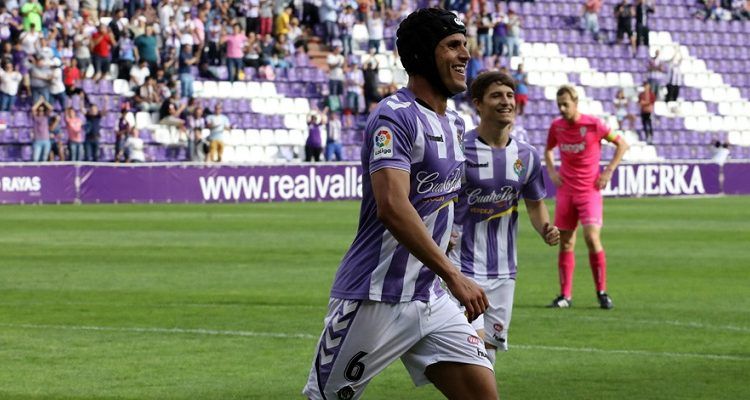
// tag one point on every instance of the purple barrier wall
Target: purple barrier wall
(31, 183)
(197, 184)
(673, 179)
(185, 183)
(736, 178)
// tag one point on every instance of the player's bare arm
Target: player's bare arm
(549, 161)
(391, 187)
(539, 216)
(621, 146)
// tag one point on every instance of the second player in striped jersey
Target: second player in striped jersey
(500, 170)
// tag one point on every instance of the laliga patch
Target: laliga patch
(383, 147)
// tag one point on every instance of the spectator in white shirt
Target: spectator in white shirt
(335, 62)
(138, 74)
(57, 87)
(375, 28)
(10, 80)
(333, 142)
(134, 148)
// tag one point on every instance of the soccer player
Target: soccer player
(578, 190)
(387, 301)
(499, 170)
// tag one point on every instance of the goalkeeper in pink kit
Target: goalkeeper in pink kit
(578, 198)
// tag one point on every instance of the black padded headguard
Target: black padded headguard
(417, 37)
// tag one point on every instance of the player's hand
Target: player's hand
(555, 178)
(551, 234)
(469, 294)
(603, 179)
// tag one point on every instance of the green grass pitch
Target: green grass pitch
(226, 301)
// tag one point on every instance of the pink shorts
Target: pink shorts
(584, 207)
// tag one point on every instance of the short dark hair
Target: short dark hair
(486, 79)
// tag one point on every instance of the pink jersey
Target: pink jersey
(580, 151)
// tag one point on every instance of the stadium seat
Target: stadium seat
(209, 89)
(252, 137)
(301, 105)
(385, 76)
(280, 137)
(253, 89)
(268, 89)
(266, 137)
(256, 154)
(296, 137)
(258, 105)
(238, 90)
(143, 120)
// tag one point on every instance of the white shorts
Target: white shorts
(361, 338)
(496, 319)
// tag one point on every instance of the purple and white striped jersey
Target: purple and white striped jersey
(403, 133)
(487, 210)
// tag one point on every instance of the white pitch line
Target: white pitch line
(633, 352)
(210, 332)
(698, 325)
(281, 335)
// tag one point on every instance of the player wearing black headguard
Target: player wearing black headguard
(387, 302)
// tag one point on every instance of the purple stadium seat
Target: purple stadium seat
(243, 106)
(106, 87)
(283, 88)
(307, 74)
(250, 73)
(234, 119)
(292, 75)
(210, 103)
(720, 136)
(221, 72)
(109, 121)
(230, 105)
(26, 153)
(89, 87)
(277, 121)
(145, 134)
(20, 120)
(8, 136)
(264, 121)
(249, 120)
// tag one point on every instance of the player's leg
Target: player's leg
(566, 219)
(463, 381)
(450, 355)
(360, 339)
(592, 220)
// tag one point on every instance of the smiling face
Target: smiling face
(451, 57)
(498, 104)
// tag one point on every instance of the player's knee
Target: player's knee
(567, 242)
(593, 241)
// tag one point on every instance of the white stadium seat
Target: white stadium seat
(224, 90)
(253, 89)
(252, 137)
(238, 90)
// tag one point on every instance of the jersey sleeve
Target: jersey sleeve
(389, 143)
(551, 138)
(534, 188)
(605, 132)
